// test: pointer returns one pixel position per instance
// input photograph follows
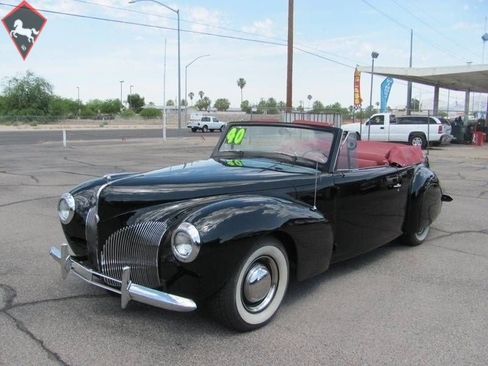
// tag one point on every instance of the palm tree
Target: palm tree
(241, 83)
(201, 94)
(309, 97)
(191, 95)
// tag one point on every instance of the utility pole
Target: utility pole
(289, 74)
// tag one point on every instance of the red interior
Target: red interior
(373, 153)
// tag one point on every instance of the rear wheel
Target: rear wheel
(194, 129)
(252, 296)
(418, 140)
(417, 238)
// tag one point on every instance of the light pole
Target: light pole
(484, 37)
(186, 84)
(78, 101)
(122, 104)
(130, 96)
(177, 11)
(374, 55)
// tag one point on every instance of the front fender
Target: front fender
(229, 227)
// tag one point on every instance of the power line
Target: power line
(409, 28)
(231, 30)
(431, 27)
(184, 31)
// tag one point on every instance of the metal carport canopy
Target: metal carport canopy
(472, 78)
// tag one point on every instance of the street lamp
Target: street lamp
(121, 82)
(130, 96)
(177, 11)
(374, 55)
(186, 85)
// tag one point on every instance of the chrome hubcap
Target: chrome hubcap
(260, 285)
(257, 283)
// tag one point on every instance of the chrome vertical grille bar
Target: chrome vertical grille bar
(135, 246)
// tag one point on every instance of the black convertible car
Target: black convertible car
(273, 200)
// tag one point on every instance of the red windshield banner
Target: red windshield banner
(357, 89)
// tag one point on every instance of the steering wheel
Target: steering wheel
(316, 151)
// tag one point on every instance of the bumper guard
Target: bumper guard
(128, 290)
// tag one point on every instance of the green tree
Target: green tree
(246, 107)
(150, 113)
(222, 104)
(191, 95)
(241, 83)
(317, 106)
(281, 106)
(203, 104)
(135, 102)
(108, 106)
(127, 113)
(337, 108)
(201, 94)
(170, 103)
(309, 97)
(28, 95)
(63, 107)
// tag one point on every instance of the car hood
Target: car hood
(206, 178)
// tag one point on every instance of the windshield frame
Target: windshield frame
(288, 156)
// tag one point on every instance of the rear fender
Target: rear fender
(424, 200)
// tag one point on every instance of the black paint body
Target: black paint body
(233, 205)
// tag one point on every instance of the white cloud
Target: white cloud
(260, 27)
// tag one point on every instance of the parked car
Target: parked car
(412, 129)
(274, 200)
(438, 121)
(205, 124)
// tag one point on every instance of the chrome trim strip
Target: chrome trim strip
(128, 291)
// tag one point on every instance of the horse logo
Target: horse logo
(24, 15)
(19, 29)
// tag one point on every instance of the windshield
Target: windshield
(291, 142)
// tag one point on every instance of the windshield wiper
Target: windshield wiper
(232, 152)
(293, 157)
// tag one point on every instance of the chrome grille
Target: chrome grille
(91, 236)
(136, 246)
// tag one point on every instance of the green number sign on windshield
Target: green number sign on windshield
(235, 135)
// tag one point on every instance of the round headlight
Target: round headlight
(66, 208)
(185, 242)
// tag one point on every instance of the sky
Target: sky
(89, 46)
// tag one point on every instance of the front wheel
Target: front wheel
(417, 238)
(205, 128)
(252, 296)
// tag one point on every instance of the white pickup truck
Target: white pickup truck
(206, 123)
(413, 129)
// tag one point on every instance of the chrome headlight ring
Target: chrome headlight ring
(185, 242)
(66, 208)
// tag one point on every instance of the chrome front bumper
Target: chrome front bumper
(128, 290)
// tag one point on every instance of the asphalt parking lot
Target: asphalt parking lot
(425, 305)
